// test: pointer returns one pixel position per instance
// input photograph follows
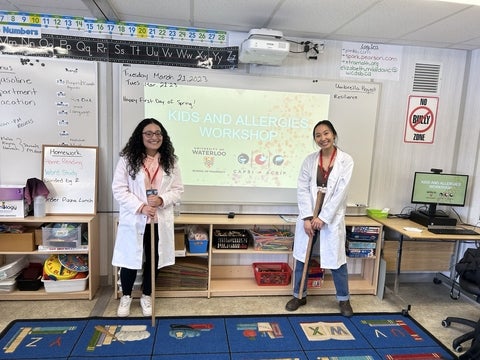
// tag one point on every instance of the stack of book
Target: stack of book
(189, 273)
(362, 241)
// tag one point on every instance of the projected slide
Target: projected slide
(241, 138)
(237, 137)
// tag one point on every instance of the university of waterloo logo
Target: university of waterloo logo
(208, 154)
(208, 161)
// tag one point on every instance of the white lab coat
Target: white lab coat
(332, 234)
(130, 195)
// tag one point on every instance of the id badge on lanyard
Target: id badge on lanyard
(152, 192)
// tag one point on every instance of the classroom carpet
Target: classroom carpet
(364, 336)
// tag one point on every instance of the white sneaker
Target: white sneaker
(146, 304)
(124, 306)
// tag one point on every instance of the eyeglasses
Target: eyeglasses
(149, 134)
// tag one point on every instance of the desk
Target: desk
(398, 225)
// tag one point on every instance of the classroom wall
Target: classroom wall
(455, 146)
(468, 139)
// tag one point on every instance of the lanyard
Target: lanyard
(320, 163)
(151, 179)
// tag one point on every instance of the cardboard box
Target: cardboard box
(12, 201)
(39, 236)
(180, 242)
(18, 242)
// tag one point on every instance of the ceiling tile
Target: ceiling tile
(161, 12)
(393, 18)
(246, 13)
(460, 27)
(315, 16)
(54, 7)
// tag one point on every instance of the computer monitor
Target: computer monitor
(435, 188)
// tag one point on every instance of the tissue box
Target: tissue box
(12, 201)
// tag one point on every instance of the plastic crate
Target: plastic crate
(62, 235)
(30, 279)
(197, 246)
(72, 285)
(7, 285)
(13, 268)
(377, 213)
(272, 240)
(231, 238)
(272, 274)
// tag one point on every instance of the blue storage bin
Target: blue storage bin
(197, 246)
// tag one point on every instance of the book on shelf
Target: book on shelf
(62, 249)
(361, 244)
(360, 253)
(361, 229)
(362, 237)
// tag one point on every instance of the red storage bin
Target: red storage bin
(272, 274)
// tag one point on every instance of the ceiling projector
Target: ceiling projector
(264, 47)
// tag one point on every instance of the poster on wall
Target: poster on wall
(421, 119)
(71, 175)
(370, 61)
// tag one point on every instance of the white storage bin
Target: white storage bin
(13, 268)
(72, 285)
(7, 285)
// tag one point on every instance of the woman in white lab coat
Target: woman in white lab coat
(146, 184)
(325, 174)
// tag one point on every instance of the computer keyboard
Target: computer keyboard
(446, 230)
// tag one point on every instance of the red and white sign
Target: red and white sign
(421, 119)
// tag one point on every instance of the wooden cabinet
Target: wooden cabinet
(93, 282)
(230, 271)
(419, 256)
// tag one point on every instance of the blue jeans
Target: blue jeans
(340, 280)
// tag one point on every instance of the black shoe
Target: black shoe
(295, 303)
(346, 308)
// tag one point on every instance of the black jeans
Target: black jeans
(128, 276)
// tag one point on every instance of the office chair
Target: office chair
(471, 288)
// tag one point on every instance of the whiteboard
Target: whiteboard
(70, 174)
(43, 101)
(352, 108)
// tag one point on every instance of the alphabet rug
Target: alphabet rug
(364, 336)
